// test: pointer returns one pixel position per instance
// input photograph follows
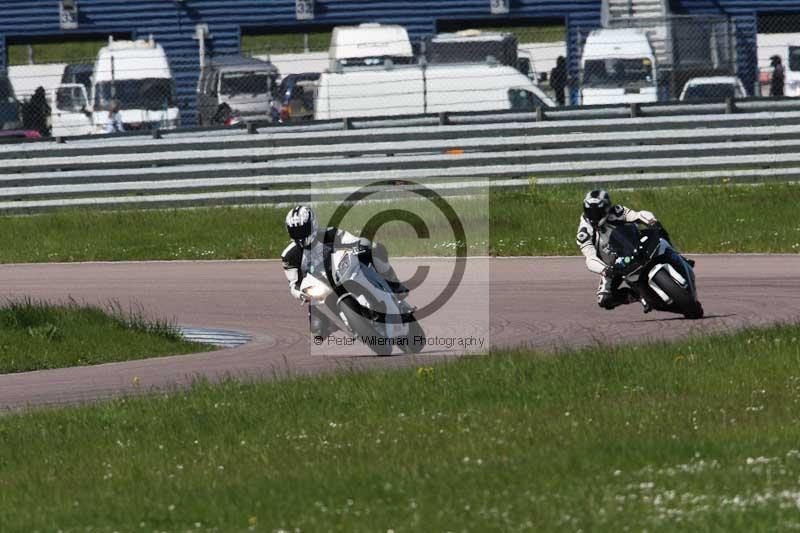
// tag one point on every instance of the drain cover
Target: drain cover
(217, 337)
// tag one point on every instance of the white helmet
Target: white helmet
(301, 223)
(596, 205)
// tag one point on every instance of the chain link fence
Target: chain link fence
(137, 86)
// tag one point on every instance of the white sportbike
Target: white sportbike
(365, 307)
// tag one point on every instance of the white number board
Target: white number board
(68, 15)
(304, 9)
(499, 7)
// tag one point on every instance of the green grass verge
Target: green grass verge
(700, 218)
(696, 436)
(37, 335)
(543, 221)
(282, 43)
(66, 52)
(532, 34)
(286, 43)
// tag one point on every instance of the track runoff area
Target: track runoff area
(466, 303)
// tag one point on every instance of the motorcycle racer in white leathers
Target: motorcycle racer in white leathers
(306, 253)
(599, 212)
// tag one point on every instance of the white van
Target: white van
(369, 44)
(471, 46)
(137, 75)
(244, 84)
(416, 89)
(618, 67)
(791, 69)
(70, 115)
(480, 87)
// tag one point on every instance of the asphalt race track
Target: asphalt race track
(547, 303)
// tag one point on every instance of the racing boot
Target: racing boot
(614, 298)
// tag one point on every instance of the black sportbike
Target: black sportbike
(651, 267)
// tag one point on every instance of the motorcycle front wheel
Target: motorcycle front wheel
(681, 299)
(362, 327)
(414, 341)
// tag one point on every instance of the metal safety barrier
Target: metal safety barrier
(738, 141)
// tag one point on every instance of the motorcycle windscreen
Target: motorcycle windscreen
(624, 240)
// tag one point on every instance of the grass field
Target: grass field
(695, 436)
(543, 221)
(67, 52)
(284, 43)
(718, 218)
(36, 336)
(277, 43)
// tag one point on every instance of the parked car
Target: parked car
(242, 86)
(78, 73)
(294, 99)
(19, 134)
(713, 88)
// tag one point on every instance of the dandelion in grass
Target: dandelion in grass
(425, 372)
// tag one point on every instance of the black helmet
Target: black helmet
(596, 205)
(301, 223)
(775, 60)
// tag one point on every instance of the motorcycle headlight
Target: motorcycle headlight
(316, 292)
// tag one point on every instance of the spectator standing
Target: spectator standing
(558, 80)
(114, 123)
(36, 113)
(776, 85)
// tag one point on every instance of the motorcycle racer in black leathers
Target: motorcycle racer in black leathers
(598, 213)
